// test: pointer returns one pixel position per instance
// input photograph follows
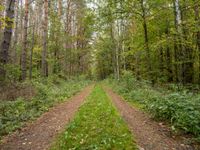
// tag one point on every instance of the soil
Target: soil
(40, 134)
(149, 134)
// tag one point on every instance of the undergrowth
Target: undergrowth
(96, 126)
(180, 108)
(50, 91)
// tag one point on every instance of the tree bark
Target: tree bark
(1, 17)
(60, 8)
(14, 57)
(24, 49)
(146, 41)
(5, 44)
(45, 38)
(31, 53)
(196, 65)
(177, 42)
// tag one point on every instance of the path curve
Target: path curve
(40, 134)
(149, 134)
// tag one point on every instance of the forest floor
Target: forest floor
(39, 135)
(147, 133)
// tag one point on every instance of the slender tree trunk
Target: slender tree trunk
(67, 42)
(137, 67)
(45, 38)
(113, 47)
(24, 49)
(187, 50)
(177, 41)
(31, 53)
(117, 50)
(6, 41)
(21, 20)
(146, 40)
(1, 17)
(197, 19)
(60, 8)
(196, 65)
(14, 57)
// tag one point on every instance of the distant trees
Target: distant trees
(44, 37)
(159, 40)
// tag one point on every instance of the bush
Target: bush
(128, 80)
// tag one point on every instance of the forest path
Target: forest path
(149, 135)
(40, 134)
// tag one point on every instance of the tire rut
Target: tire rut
(40, 134)
(149, 134)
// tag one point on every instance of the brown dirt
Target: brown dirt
(149, 134)
(40, 134)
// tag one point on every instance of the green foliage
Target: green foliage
(1, 7)
(14, 114)
(1, 18)
(149, 41)
(128, 79)
(97, 125)
(181, 108)
(13, 72)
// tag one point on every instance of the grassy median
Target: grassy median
(97, 125)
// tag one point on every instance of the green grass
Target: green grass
(51, 91)
(97, 126)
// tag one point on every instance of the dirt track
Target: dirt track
(148, 134)
(40, 134)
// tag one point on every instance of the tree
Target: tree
(6, 41)
(15, 40)
(24, 49)
(45, 39)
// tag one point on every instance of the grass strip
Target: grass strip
(97, 126)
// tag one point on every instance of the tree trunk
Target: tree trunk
(45, 38)
(14, 57)
(1, 17)
(24, 49)
(31, 53)
(21, 20)
(60, 8)
(196, 65)
(5, 44)
(177, 42)
(67, 48)
(113, 47)
(146, 40)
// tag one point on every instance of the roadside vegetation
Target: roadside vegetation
(97, 125)
(178, 106)
(48, 92)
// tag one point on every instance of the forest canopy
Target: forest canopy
(156, 40)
